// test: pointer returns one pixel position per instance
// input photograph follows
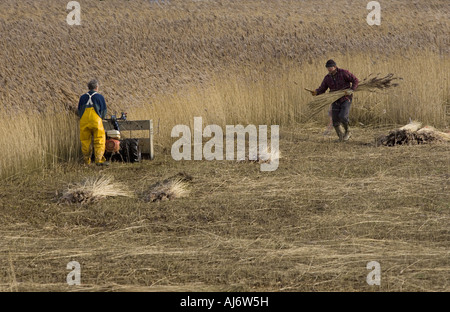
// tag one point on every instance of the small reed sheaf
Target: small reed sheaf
(368, 84)
(174, 187)
(93, 189)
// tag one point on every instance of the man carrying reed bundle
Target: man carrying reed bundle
(339, 79)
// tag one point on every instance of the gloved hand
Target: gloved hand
(348, 92)
(314, 93)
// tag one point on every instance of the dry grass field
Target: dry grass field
(311, 225)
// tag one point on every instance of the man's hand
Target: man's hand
(348, 92)
(313, 92)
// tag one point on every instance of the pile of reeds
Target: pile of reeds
(171, 188)
(370, 84)
(93, 189)
(412, 134)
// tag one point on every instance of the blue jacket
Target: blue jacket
(98, 101)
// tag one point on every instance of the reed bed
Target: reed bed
(244, 62)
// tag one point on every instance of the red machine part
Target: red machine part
(112, 145)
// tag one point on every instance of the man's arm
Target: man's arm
(323, 87)
(352, 78)
(103, 107)
(79, 107)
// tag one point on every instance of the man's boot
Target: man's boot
(87, 159)
(101, 161)
(347, 133)
(339, 133)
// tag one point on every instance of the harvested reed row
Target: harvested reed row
(93, 189)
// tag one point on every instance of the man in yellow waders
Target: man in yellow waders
(92, 110)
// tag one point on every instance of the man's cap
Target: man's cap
(330, 63)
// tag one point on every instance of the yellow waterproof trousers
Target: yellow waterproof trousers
(91, 125)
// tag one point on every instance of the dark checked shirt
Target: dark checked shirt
(341, 80)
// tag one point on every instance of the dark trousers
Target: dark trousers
(340, 112)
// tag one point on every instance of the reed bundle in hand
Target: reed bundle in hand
(368, 84)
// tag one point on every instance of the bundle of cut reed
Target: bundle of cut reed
(412, 134)
(174, 187)
(370, 84)
(93, 189)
